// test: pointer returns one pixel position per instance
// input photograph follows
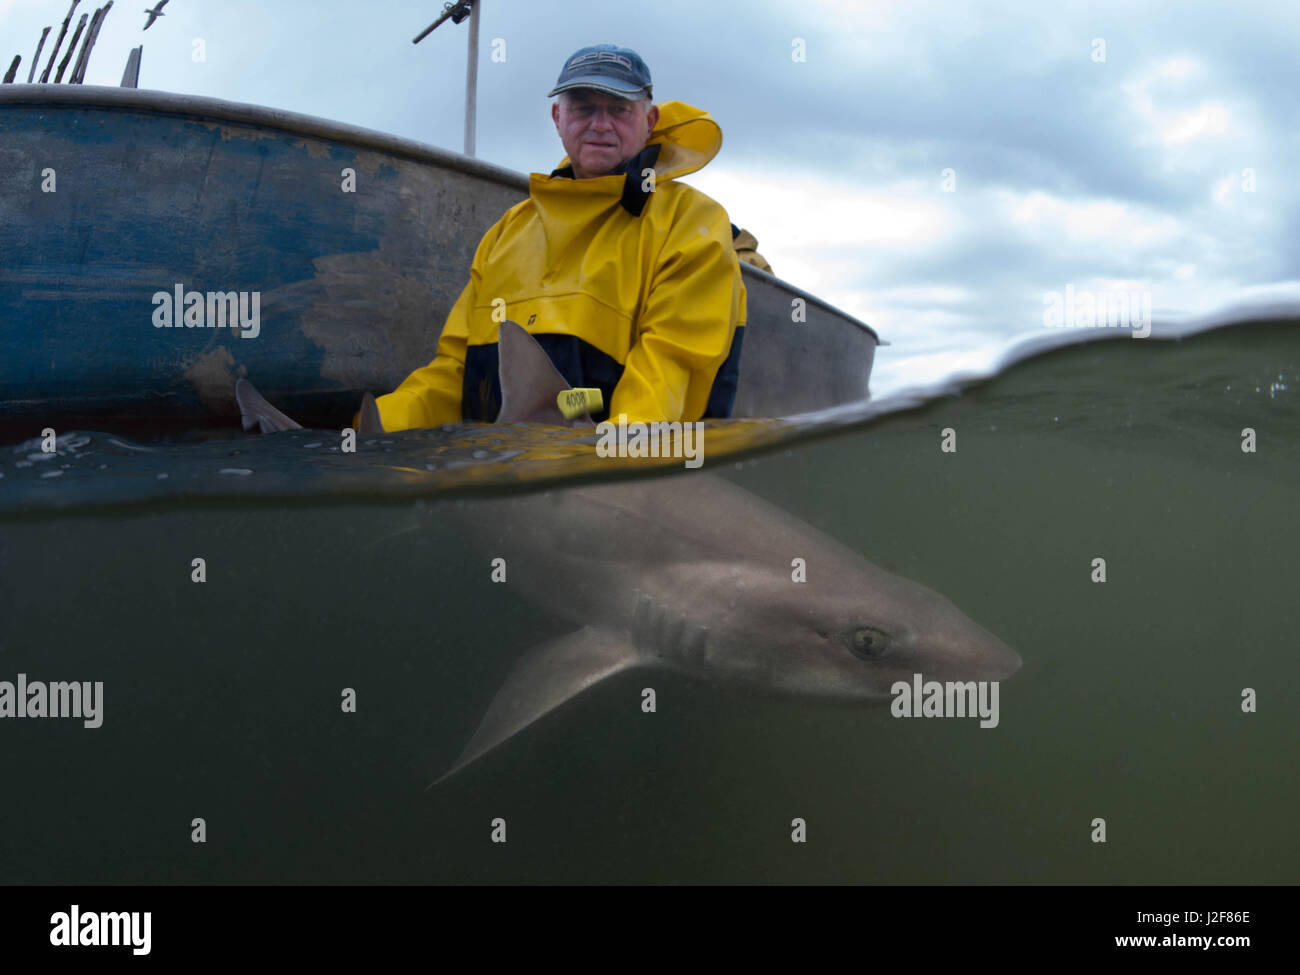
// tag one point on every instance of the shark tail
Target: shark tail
(544, 679)
(369, 421)
(255, 411)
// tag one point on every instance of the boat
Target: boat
(355, 243)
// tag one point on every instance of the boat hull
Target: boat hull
(113, 197)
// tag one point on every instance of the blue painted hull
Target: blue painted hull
(114, 197)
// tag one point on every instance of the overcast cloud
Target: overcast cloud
(1166, 167)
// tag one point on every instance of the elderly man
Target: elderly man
(627, 278)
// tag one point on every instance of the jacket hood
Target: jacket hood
(688, 138)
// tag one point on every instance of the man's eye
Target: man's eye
(617, 111)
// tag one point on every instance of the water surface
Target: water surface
(328, 571)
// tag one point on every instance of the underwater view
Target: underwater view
(479, 654)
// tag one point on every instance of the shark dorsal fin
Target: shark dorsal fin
(530, 382)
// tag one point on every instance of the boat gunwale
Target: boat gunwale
(204, 107)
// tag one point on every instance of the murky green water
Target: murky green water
(222, 699)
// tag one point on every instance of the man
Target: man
(628, 279)
(746, 245)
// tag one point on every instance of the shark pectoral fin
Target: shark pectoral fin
(544, 679)
(254, 410)
(369, 421)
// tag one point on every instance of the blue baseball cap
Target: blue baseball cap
(615, 70)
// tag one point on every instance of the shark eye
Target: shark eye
(868, 643)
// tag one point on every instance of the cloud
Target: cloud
(1165, 166)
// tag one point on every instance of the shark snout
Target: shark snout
(964, 650)
(987, 659)
(1002, 662)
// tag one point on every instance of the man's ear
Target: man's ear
(555, 116)
(652, 119)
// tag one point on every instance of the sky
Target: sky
(941, 171)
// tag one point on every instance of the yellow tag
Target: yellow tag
(575, 402)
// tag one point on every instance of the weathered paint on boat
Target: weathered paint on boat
(109, 195)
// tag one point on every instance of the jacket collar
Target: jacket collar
(634, 195)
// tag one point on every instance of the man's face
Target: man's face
(599, 131)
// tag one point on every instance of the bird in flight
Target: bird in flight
(155, 13)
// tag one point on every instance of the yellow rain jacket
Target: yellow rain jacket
(634, 290)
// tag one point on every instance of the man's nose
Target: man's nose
(601, 118)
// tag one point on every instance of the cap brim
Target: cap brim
(599, 84)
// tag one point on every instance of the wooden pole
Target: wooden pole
(457, 12)
(471, 80)
(92, 35)
(37, 60)
(75, 77)
(98, 27)
(13, 70)
(72, 46)
(45, 75)
(131, 76)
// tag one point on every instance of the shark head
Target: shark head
(742, 591)
(845, 633)
(696, 574)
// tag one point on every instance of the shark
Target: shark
(255, 411)
(694, 574)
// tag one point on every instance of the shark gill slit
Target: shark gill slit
(667, 634)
